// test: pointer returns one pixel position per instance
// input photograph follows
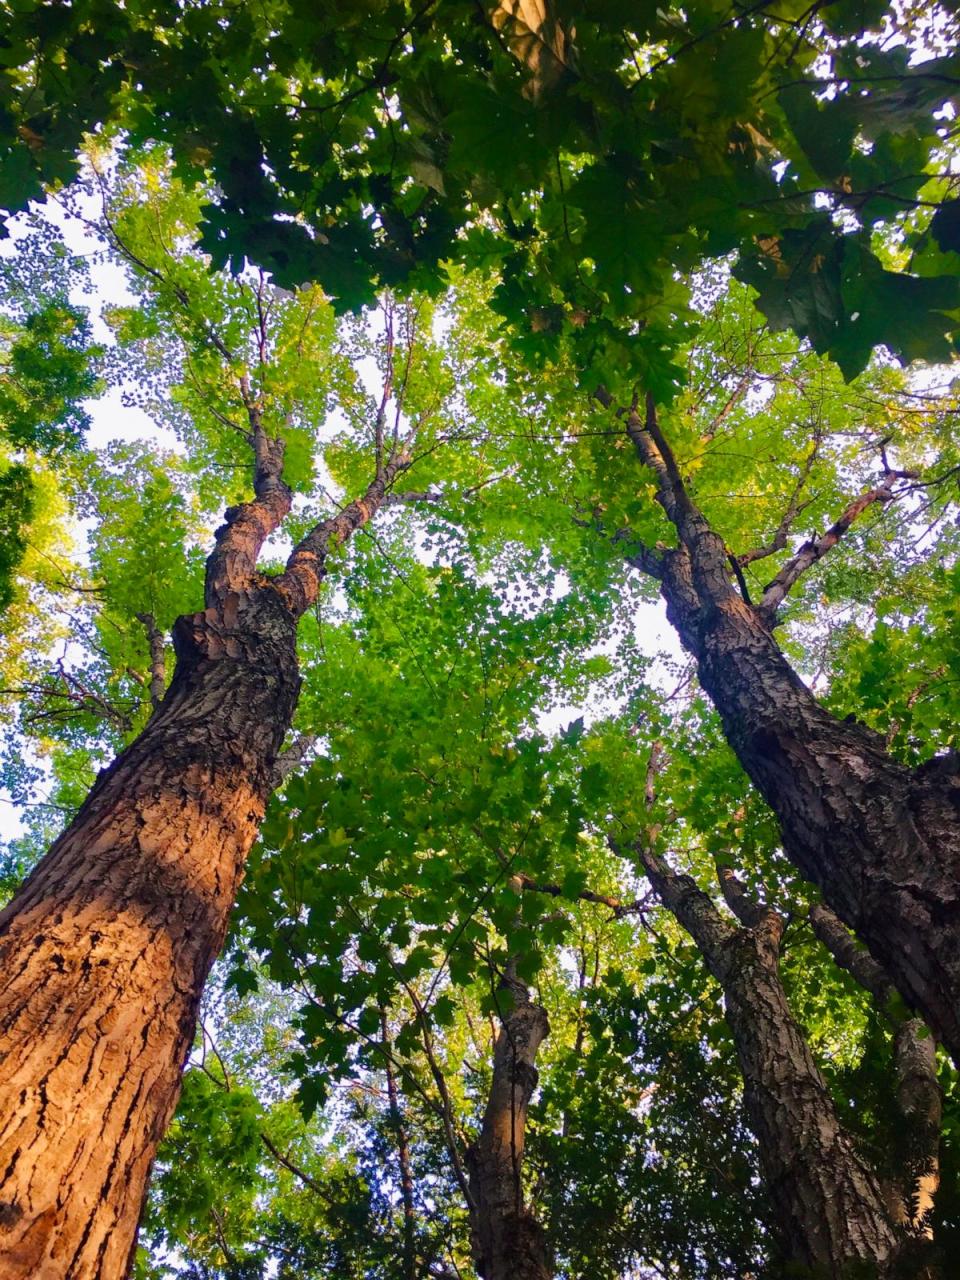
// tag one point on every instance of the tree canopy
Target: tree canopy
(517, 321)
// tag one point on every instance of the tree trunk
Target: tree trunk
(506, 1239)
(882, 841)
(829, 1205)
(403, 1156)
(913, 1190)
(105, 950)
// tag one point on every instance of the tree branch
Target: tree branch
(232, 565)
(290, 759)
(307, 564)
(815, 548)
(616, 905)
(849, 955)
(158, 667)
(915, 1064)
(794, 507)
(746, 908)
(297, 1172)
(684, 899)
(636, 553)
(670, 489)
(706, 550)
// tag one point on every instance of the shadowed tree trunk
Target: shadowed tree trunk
(881, 840)
(105, 949)
(831, 1214)
(506, 1239)
(917, 1156)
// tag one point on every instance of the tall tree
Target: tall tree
(107, 945)
(368, 152)
(830, 1208)
(880, 839)
(508, 1241)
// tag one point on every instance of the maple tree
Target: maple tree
(542, 206)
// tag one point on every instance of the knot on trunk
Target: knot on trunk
(525, 1076)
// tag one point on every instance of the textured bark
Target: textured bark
(921, 1105)
(104, 951)
(506, 1239)
(881, 840)
(158, 666)
(829, 1204)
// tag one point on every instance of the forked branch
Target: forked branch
(794, 508)
(232, 565)
(307, 564)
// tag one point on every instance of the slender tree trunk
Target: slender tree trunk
(403, 1158)
(830, 1209)
(921, 1105)
(105, 949)
(917, 1152)
(507, 1240)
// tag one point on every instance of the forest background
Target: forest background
(487, 328)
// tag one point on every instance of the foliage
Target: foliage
(483, 679)
(591, 162)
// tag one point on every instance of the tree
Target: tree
(831, 1212)
(158, 847)
(508, 1240)
(878, 838)
(414, 172)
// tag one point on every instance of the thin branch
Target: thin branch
(158, 666)
(794, 508)
(291, 758)
(616, 905)
(297, 1172)
(815, 548)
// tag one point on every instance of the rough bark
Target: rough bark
(829, 1204)
(104, 951)
(506, 1239)
(881, 840)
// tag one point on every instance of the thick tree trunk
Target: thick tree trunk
(507, 1240)
(882, 841)
(104, 952)
(829, 1204)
